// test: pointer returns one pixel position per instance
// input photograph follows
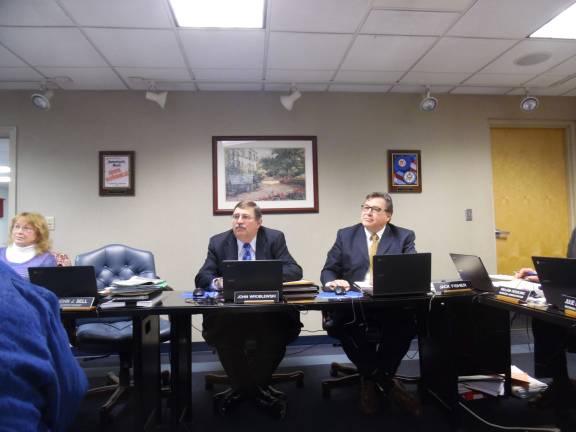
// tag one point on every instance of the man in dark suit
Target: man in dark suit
(374, 340)
(250, 346)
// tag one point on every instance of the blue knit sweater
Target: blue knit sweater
(41, 383)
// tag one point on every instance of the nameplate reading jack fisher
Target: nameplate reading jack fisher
(512, 295)
(570, 306)
(452, 286)
(256, 296)
(76, 302)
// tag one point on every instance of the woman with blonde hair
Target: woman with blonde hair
(29, 244)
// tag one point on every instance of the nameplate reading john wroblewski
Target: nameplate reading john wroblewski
(256, 296)
(512, 295)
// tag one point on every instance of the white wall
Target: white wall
(171, 213)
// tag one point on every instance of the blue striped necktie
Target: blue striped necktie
(247, 255)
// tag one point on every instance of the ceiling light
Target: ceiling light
(219, 13)
(156, 96)
(5, 169)
(42, 100)
(428, 103)
(529, 103)
(287, 101)
(4, 179)
(560, 27)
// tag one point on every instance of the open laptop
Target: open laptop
(75, 281)
(557, 278)
(259, 275)
(471, 268)
(404, 274)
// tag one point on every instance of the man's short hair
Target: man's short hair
(244, 205)
(386, 197)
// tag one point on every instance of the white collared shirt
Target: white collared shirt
(252, 249)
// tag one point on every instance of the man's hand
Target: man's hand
(218, 284)
(338, 282)
(528, 274)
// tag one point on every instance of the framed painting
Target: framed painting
(405, 171)
(117, 173)
(278, 172)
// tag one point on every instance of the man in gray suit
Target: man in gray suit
(374, 340)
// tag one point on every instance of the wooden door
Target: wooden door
(531, 195)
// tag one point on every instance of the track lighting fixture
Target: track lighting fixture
(287, 101)
(41, 100)
(428, 103)
(155, 96)
(529, 103)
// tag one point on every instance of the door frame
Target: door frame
(10, 132)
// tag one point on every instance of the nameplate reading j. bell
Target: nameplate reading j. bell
(76, 302)
(512, 295)
(570, 306)
(256, 297)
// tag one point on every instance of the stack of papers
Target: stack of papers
(490, 385)
(521, 284)
(523, 385)
(136, 286)
(299, 290)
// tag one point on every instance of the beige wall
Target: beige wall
(171, 213)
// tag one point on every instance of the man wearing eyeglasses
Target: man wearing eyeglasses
(374, 340)
(250, 345)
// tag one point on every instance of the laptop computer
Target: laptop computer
(471, 268)
(74, 281)
(404, 274)
(557, 278)
(259, 275)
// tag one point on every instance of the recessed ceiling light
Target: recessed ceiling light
(560, 27)
(4, 179)
(219, 13)
(5, 169)
(532, 59)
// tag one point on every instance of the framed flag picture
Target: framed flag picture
(405, 170)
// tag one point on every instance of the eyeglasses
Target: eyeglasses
(368, 209)
(23, 228)
(239, 216)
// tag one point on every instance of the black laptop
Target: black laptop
(405, 274)
(471, 268)
(75, 281)
(557, 278)
(259, 275)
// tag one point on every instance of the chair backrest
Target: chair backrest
(117, 261)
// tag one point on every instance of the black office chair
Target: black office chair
(104, 336)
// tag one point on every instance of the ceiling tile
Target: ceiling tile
(559, 50)
(392, 53)
(235, 49)
(8, 59)
(354, 76)
(32, 13)
(488, 79)
(19, 74)
(462, 55)
(302, 87)
(228, 74)
(431, 78)
(306, 51)
(449, 5)
(298, 76)
(567, 67)
(544, 80)
(139, 78)
(229, 87)
(114, 13)
(86, 78)
(555, 90)
(359, 88)
(409, 22)
(12, 85)
(507, 19)
(51, 46)
(337, 16)
(480, 90)
(420, 89)
(138, 48)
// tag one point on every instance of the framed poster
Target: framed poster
(278, 172)
(405, 171)
(117, 173)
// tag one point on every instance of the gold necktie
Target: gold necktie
(373, 249)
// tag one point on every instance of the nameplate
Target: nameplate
(570, 306)
(76, 302)
(446, 286)
(512, 295)
(256, 296)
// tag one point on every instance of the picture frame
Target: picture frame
(405, 171)
(117, 173)
(279, 173)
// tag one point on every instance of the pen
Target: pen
(529, 273)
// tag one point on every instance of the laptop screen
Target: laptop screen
(401, 274)
(259, 275)
(74, 281)
(471, 268)
(557, 278)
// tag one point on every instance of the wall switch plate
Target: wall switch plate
(468, 215)
(51, 222)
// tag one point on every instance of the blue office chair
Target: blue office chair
(104, 336)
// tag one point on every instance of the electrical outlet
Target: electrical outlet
(51, 222)
(468, 215)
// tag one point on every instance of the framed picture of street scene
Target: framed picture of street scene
(280, 173)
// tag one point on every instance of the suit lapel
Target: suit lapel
(385, 242)
(360, 243)
(261, 245)
(231, 247)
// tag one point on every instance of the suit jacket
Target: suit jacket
(348, 258)
(270, 244)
